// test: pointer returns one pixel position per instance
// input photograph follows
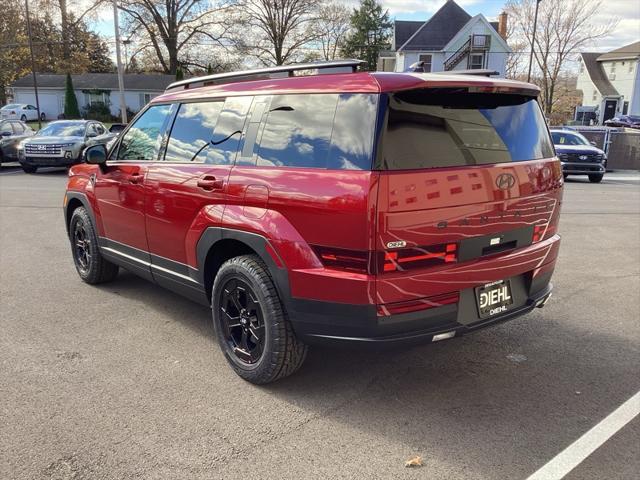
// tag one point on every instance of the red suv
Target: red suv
(340, 207)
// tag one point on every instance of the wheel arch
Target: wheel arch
(75, 200)
(217, 245)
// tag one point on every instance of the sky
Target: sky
(626, 11)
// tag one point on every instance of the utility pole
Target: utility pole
(33, 64)
(533, 39)
(116, 24)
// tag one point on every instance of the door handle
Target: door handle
(135, 178)
(210, 183)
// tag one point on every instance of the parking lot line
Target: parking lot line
(579, 450)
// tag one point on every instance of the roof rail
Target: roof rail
(263, 73)
(418, 67)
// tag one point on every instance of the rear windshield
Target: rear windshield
(429, 129)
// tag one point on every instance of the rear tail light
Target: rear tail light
(538, 232)
(418, 257)
(343, 259)
(387, 309)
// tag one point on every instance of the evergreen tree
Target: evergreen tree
(371, 33)
(179, 74)
(70, 101)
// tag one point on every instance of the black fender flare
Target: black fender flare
(213, 235)
(85, 203)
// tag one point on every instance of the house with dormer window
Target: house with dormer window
(450, 40)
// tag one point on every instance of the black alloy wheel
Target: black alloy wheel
(242, 321)
(81, 247)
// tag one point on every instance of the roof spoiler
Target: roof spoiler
(337, 66)
(418, 67)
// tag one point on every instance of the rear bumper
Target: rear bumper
(583, 168)
(342, 324)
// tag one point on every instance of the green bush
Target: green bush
(98, 111)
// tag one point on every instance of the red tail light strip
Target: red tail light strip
(416, 305)
(417, 257)
(538, 232)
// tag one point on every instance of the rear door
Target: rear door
(189, 183)
(119, 188)
(463, 177)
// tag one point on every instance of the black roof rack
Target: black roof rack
(263, 73)
(418, 67)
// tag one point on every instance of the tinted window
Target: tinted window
(99, 128)
(353, 131)
(563, 138)
(428, 129)
(142, 140)
(228, 131)
(297, 131)
(192, 134)
(5, 127)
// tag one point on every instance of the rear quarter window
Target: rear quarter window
(427, 129)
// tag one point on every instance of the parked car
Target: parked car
(578, 156)
(20, 111)
(60, 143)
(628, 121)
(12, 132)
(343, 208)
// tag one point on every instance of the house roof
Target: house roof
(102, 81)
(404, 30)
(436, 32)
(597, 75)
(628, 51)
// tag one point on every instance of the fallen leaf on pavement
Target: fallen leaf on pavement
(414, 462)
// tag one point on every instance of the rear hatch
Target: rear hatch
(468, 178)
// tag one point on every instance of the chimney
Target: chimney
(502, 25)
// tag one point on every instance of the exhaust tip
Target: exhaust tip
(443, 336)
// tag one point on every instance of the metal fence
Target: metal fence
(622, 145)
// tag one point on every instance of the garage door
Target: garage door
(49, 102)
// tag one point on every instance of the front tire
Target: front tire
(250, 323)
(90, 264)
(596, 178)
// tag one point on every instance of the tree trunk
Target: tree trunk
(66, 49)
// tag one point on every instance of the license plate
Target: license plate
(494, 298)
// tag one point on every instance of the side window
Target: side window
(191, 138)
(297, 131)
(353, 132)
(17, 128)
(91, 130)
(228, 132)
(5, 127)
(254, 123)
(99, 129)
(142, 140)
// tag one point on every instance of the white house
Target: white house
(610, 82)
(450, 40)
(89, 88)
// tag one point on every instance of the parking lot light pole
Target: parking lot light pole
(533, 39)
(33, 64)
(116, 24)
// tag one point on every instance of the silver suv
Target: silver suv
(60, 144)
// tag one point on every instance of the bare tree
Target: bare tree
(171, 26)
(565, 28)
(332, 26)
(281, 28)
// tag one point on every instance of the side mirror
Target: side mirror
(95, 155)
(594, 144)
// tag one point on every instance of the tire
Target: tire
(565, 175)
(250, 323)
(23, 117)
(596, 178)
(29, 168)
(43, 117)
(92, 267)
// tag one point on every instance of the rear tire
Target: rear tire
(596, 178)
(92, 267)
(29, 168)
(43, 117)
(23, 117)
(250, 323)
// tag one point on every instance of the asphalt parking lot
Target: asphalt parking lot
(125, 380)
